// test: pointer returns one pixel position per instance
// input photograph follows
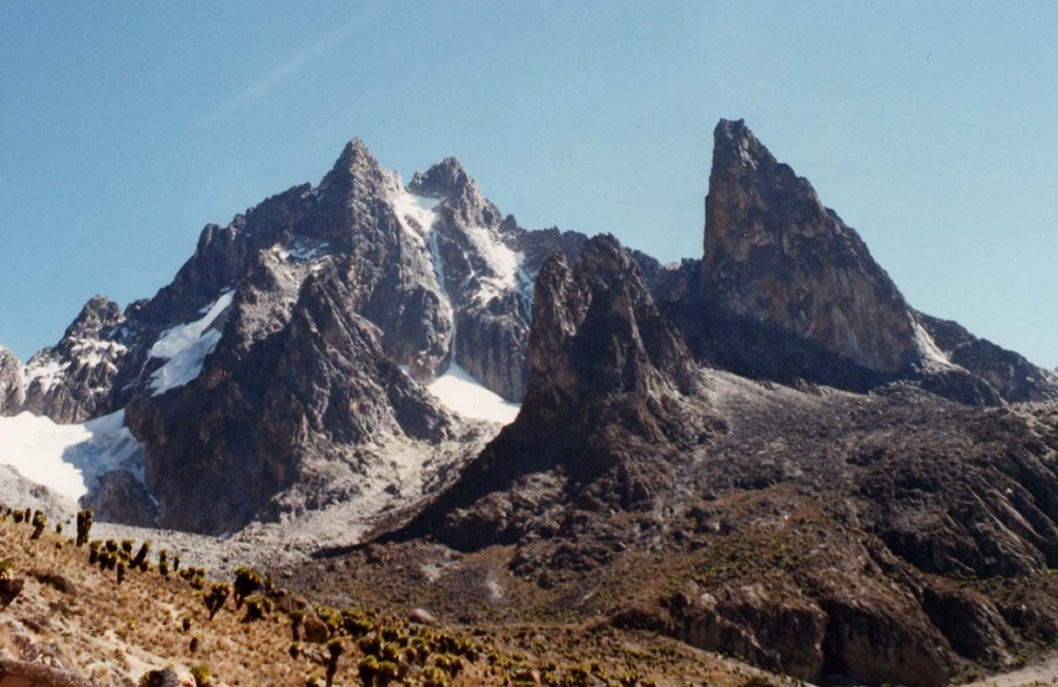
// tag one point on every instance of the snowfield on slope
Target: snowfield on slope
(185, 348)
(69, 459)
(459, 391)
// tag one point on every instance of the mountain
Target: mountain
(322, 315)
(887, 527)
(786, 291)
(764, 451)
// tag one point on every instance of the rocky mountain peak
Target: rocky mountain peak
(98, 313)
(466, 204)
(356, 174)
(596, 331)
(442, 180)
(604, 409)
(734, 142)
(775, 254)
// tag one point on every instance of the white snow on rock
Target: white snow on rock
(186, 346)
(456, 388)
(95, 352)
(300, 251)
(419, 209)
(46, 372)
(459, 391)
(501, 260)
(933, 357)
(69, 459)
(526, 285)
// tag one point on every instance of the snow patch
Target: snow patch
(300, 251)
(502, 262)
(69, 459)
(933, 357)
(95, 352)
(46, 372)
(416, 213)
(526, 286)
(186, 346)
(459, 391)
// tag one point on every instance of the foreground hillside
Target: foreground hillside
(74, 624)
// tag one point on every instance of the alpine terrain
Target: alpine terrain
(397, 394)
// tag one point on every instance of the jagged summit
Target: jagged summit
(733, 139)
(356, 174)
(97, 314)
(447, 177)
(776, 254)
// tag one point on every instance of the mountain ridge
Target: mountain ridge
(771, 410)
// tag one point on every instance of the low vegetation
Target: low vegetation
(114, 612)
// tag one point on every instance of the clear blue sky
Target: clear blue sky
(931, 127)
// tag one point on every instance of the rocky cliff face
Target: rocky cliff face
(786, 291)
(269, 409)
(776, 254)
(1009, 373)
(12, 393)
(424, 278)
(845, 520)
(81, 376)
(604, 410)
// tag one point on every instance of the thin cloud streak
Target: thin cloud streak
(272, 80)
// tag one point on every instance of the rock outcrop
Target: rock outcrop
(787, 291)
(12, 393)
(774, 253)
(1009, 373)
(603, 412)
(82, 376)
(269, 408)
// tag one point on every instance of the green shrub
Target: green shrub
(10, 586)
(40, 522)
(432, 676)
(370, 645)
(388, 671)
(158, 678)
(202, 675)
(330, 617)
(356, 624)
(335, 648)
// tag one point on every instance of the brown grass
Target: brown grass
(114, 634)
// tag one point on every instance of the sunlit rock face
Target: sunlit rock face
(776, 254)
